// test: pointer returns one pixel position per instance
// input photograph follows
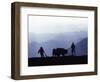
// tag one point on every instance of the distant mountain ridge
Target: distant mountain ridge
(65, 36)
(58, 41)
(81, 47)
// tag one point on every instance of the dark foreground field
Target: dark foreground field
(67, 60)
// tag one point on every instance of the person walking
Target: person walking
(41, 52)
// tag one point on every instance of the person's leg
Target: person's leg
(72, 52)
(42, 55)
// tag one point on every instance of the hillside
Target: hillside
(81, 47)
(67, 60)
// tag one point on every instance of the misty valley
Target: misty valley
(57, 49)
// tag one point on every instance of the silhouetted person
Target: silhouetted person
(41, 51)
(73, 51)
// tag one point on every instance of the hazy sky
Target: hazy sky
(50, 24)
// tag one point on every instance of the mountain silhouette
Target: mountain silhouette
(81, 47)
(69, 36)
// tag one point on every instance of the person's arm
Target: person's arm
(71, 46)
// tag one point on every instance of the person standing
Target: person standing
(73, 50)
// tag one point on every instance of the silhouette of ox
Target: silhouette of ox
(59, 52)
